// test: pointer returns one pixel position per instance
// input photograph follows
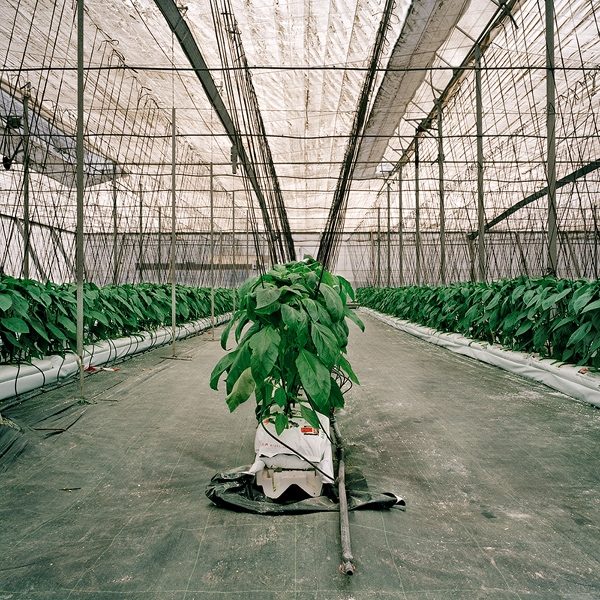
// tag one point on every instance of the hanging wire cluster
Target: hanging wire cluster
(127, 215)
(399, 241)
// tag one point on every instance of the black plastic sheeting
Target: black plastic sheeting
(34, 419)
(237, 490)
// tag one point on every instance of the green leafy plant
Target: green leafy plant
(291, 335)
(555, 318)
(39, 320)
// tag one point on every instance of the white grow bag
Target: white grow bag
(568, 379)
(15, 380)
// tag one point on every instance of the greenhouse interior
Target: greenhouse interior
(299, 299)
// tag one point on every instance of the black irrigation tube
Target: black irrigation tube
(347, 567)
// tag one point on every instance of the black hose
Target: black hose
(347, 567)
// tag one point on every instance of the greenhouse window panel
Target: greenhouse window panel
(51, 150)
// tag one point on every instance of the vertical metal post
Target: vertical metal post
(400, 230)
(159, 270)
(417, 215)
(442, 195)
(234, 286)
(141, 241)
(379, 246)
(389, 239)
(247, 247)
(212, 255)
(373, 266)
(551, 139)
(115, 228)
(80, 190)
(480, 207)
(522, 254)
(26, 224)
(173, 229)
(595, 216)
(471, 251)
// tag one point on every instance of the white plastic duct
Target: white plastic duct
(16, 380)
(427, 25)
(568, 379)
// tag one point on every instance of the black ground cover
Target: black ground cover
(500, 475)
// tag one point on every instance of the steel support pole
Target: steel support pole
(442, 195)
(400, 230)
(159, 243)
(80, 190)
(389, 239)
(379, 246)
(212, 254)
(26, 223)
(247, 247)
(551, 139)
(141, 240)
(173, 228)
(480, 206)
(595, 216)
(233, 287)
(115, 227)
(417, 215)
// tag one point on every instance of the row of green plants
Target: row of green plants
(39, 319)
(555, 318)
(291, 335)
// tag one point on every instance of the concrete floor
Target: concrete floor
(501, 478)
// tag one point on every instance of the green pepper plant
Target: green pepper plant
(292, 337)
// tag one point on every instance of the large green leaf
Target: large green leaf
(297, 322)
(5, 302)
(333, 301)
(346, 286)
(579, 333)
(591, 306)
(266, 298)
(326, 344)
(309, 415)
(554, 298)
(315, 379)
(224, 364)
(67, 324)
(240, 364)
(265, 350)
(56, 332)
(242, 390)
(345, 366)
(15, 324)
(525, 327)
(280, 397)
(20, 305)
(354, 318)
(336, 398)
(226, 331)
(281, 422)
(38, 326)
(311, 308)
(582, 300)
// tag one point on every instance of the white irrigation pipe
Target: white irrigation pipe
(573, 381)
(20, 379)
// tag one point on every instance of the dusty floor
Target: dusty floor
(501, 478)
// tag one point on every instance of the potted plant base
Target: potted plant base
(300, 455)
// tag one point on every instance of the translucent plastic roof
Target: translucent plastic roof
(308, 61)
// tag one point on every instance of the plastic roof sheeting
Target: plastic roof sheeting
(307, 60)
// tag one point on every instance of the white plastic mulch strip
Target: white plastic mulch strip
(20, 379)
(576, 382)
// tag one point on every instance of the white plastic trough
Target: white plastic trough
(20, 379)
